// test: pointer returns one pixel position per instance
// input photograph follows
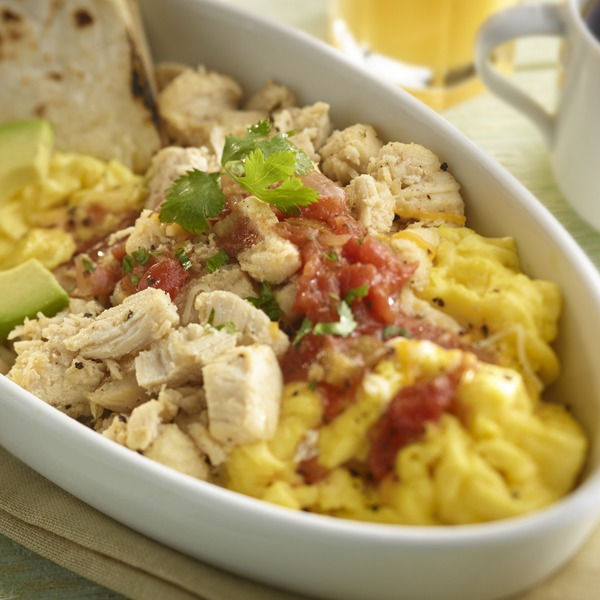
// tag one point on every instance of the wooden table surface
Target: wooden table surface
(498, 129)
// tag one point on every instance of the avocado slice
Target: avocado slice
(27, 289)
(25, 151)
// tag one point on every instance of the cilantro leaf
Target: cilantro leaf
(281, 143)
(390, 331)
(184, 259)
(266, 301)
(304, 329)
(141, 256)
(355, 294)
(237, 148)
(127, 263)
(344, 327)
(257, 138)
(192, 200)
(262, 173)
(216, 261)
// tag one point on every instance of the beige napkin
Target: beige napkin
(46, 519)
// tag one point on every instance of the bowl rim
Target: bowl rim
(583, 499)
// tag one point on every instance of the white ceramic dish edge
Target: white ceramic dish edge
(307, 553)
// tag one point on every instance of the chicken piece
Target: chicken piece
(115, 428)
(371, 204)
(145, 422)
(46, 368)
(272, 259)
(142, 318)
(118, 395)
(271, 96)
(243, 391)
(215, 451)
(143, 425)
(263, 253)
(165, 72)
(176, 449)
(177, 359)
(314, 118)
(195, 96)
(147, 233)
(61, 325)
(347, 152)
(423, 188)
(251, 324)
(285, 297)
(57, 377)
(170, 163)
(198, 103)
(189, 400)
(230, 278)
(304, 140)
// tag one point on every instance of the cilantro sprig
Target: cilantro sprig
(268, 167)
(343, 327)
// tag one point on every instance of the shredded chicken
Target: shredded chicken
(346, 153)
(199, 107)
(423, 188)
(178, 358)
(124, 329)
(372, 203)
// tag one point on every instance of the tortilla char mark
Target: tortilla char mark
(12, 22)
(141, 88)
(82, 18)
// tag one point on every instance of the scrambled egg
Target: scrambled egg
(500, 452)
(32, 222)
(478, 282)
(506, 454)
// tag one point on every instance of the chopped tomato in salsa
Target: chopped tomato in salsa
(332, 208)
(97, 274)
(406, 418)
(167, 274)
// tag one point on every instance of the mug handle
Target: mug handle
(510, 24)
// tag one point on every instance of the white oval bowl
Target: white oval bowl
(312, 554)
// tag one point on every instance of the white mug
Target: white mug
(573, 132)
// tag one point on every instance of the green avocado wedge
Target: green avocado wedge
(25, 290)
(25, 152)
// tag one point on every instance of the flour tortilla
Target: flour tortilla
(84, 66)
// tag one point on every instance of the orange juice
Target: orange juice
(426, 46)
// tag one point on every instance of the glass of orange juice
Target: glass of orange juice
(426, 46)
